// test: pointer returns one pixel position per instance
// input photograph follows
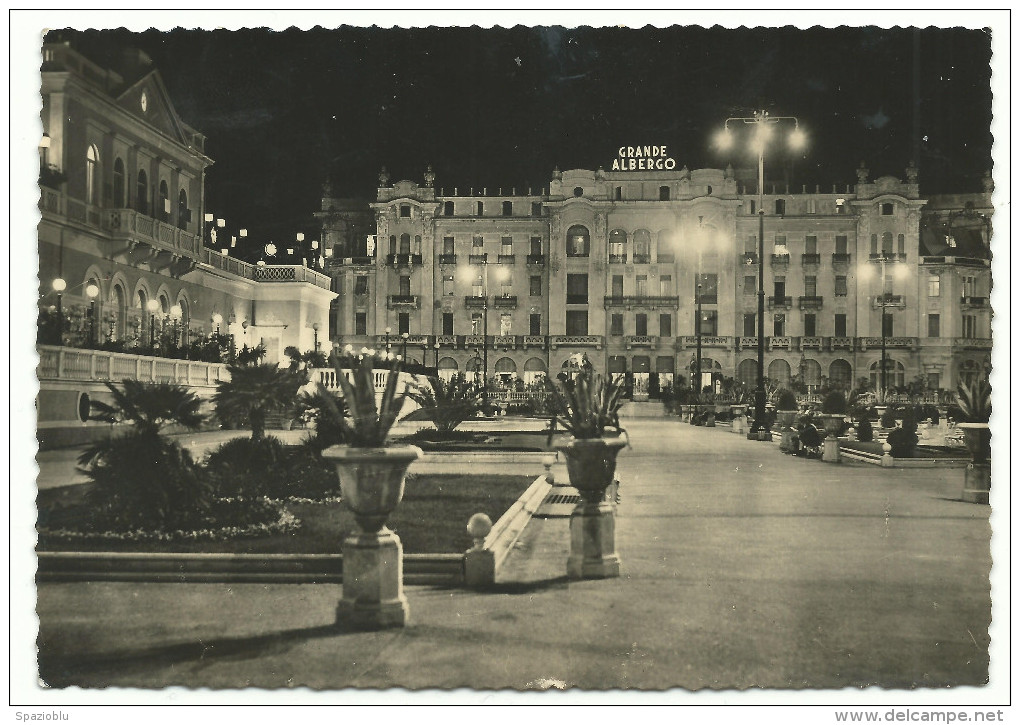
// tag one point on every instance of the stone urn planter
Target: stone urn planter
(371, 486)
(786, 419)
(739, 411)
(591, 467)
(977, 478)
(830, 446)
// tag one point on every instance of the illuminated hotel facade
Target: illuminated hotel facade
(607, 264)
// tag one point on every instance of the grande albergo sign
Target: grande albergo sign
(643, 158)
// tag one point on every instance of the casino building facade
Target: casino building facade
(614, 266)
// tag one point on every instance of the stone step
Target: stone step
(643, 409)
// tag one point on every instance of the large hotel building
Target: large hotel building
(615, 266)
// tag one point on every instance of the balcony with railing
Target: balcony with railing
(639, 341)
(403, 260)
(974, 301)
(290, 273)
(744, 342)
(448, 259)
(650, 301)
(780, 342)
(534, 341)
(887, 256)
(841, 343)
(714, 341)
(447, 340)
(748, 259)
(590, 341)
(507, 258)
(780, 260)
(402, 302)
(642, 259)
(809, 259)
(80, 365)
(840, 259)
(810, 302)
(783, 303)
(478, 258)
(475, 301)
(812, 342)
(505, 302)
(973, 343)
(618, 259)
(905, 343)
(504, 342)
(538, 259)
(358, 261)
(889, 300)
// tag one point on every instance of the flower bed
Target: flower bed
(431, 519)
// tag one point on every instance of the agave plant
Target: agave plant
(448, 404)
(587, 405)
(975, 401)
(369, 424)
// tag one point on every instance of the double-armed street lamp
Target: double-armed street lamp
(762, 122)
(217, 319)
(469, 274)
(885, 299)
(403, 347)
(176, 313)
(388, 331)
(315, 333)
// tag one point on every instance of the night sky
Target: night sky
(284, 110)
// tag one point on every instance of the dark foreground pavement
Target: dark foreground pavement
(741, 567)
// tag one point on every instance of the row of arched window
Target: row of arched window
(163, 206)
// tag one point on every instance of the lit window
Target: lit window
(934, 285)
(91, 182)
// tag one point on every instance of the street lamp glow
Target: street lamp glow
(208, 218)
(221, 223)
(59, 285)
(797, 139)
(176, 312)
(217, 319)
(271, 249)
(92, 291)
(724, 139)
(242, 232)
(300, 236)
(901, 271)
(152, 305)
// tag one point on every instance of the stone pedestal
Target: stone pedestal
(373, 591)
(977, 482)
(786, 440)
(593, 542)
(740, 424)
(830, 450)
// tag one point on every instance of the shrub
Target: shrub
(247, 467)
(328, 411)
(889, 418)
(142, 480)
(834, 403)
(253, 392)
(787, 400)
(902, 442)
(864, 431)
(588, 405)
(810, 439)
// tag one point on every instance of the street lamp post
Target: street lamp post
(883, 301)
(403, 347)
(152, 306)
(59, 285)
(435, 347)
(387, 331)
(92, 291)
(175, 314)
(315, 332)
(762, 121)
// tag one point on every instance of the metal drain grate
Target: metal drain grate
(562, 498)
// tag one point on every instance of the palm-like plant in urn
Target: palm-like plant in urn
(371, 485)
(975, 401)
(588, 407)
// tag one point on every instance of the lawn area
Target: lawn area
(431, 519)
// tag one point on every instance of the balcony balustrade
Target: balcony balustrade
(507, 258)
(889, 300)
(405, 260)
(642, 259)
(780, 302)
(395, 302)
(536, 259)
(447, 340)
(471, 341)
(749, 258)
(361, 260)
(809, 259)
(907, 343)
(618, 259)
(80, 365)
(448, 259)
(810, 302)
(640, 341)
(781, 342)
(475, 301)
(779, 260)
(746, 341)
(592, 341)
(650, 301)
(504, 342)
(972, 301)
(841, 343)
(809, 342)
(290, 273)
(888, 256)
(973, 343)
(505, 302)
(715, 341)
(478, 258)
(533, 341)
(840, 259)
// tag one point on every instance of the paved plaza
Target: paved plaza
(742, 567)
